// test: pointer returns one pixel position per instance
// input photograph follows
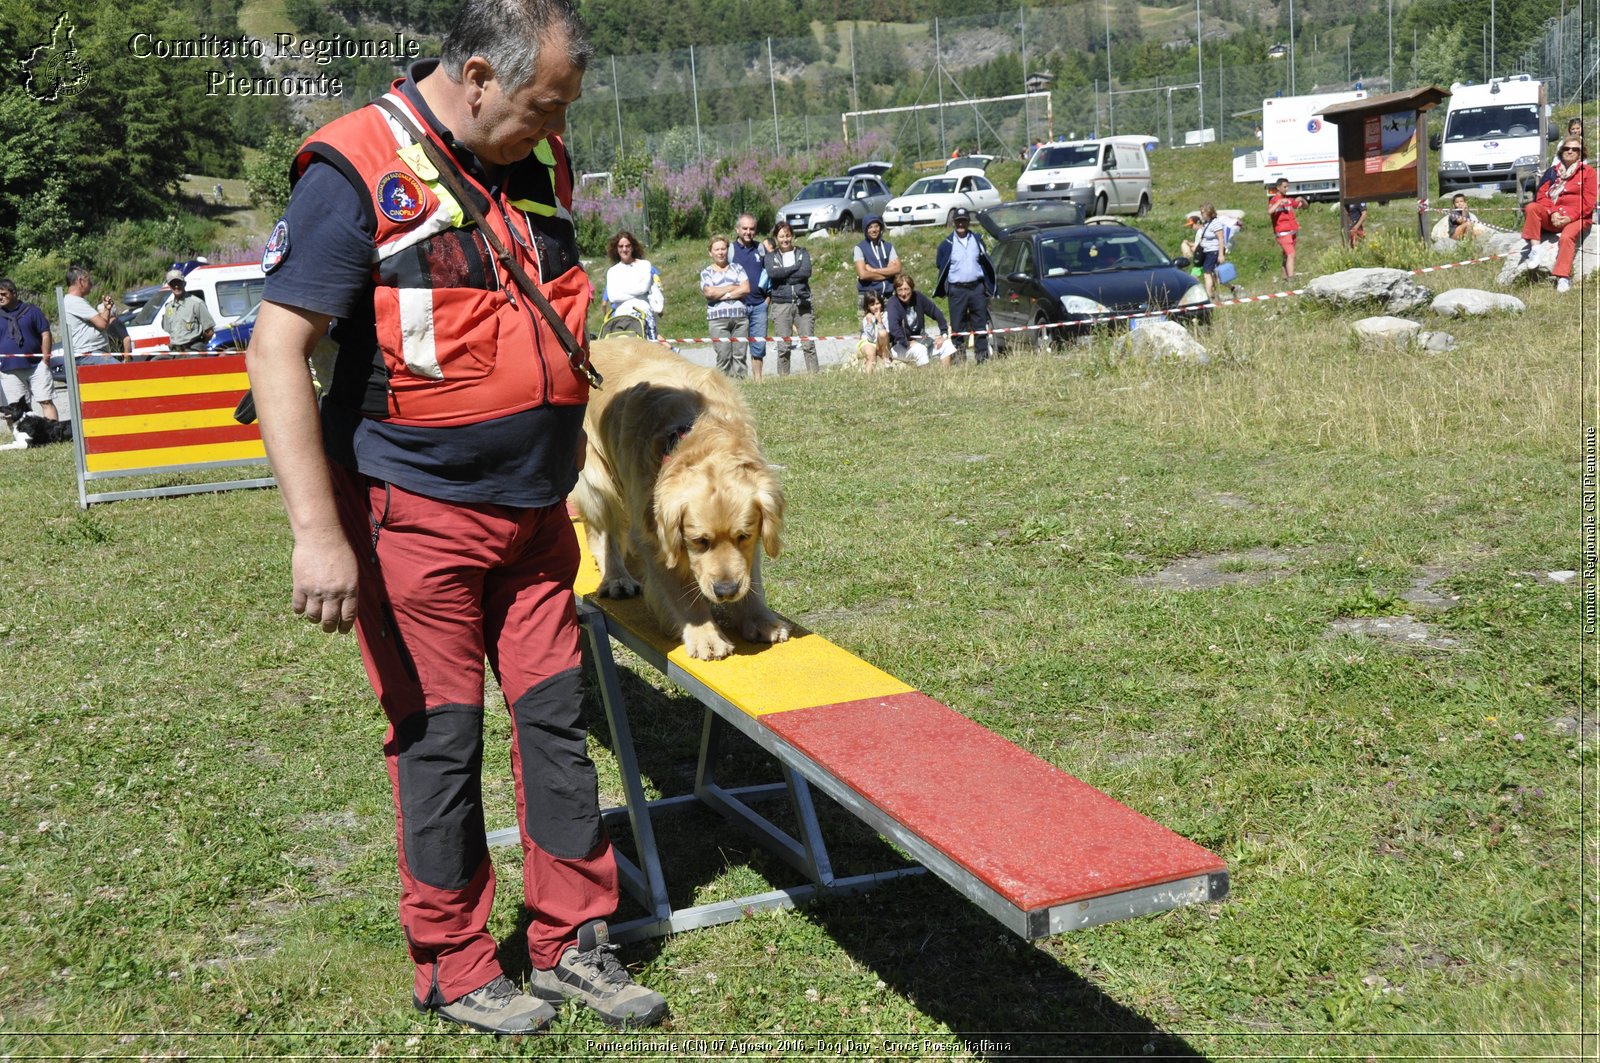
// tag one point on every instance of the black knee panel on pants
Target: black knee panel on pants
(560, 791)
(441, 794)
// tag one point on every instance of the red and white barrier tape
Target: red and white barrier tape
(1098, 319)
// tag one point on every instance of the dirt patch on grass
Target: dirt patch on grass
(1422, 592)
(241, 946)
(1405, 629)
(1206, 571)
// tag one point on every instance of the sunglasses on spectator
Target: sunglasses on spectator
(1570, 148)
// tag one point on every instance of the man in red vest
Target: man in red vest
(426, 495)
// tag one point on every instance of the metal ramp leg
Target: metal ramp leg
(644, 881)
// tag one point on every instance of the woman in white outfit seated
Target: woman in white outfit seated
(633, 287)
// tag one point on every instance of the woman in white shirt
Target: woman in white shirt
(633, 287)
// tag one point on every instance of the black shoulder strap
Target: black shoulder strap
(450, 175)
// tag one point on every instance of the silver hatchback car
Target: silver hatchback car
(841, 203)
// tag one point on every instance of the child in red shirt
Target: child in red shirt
(1281, 208)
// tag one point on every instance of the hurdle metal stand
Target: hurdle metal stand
(645, 880)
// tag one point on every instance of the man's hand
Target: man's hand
(1560, 221)
(325, 581)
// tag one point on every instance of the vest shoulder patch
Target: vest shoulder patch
(399, 196)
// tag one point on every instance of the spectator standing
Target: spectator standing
(877, 264)
(873, 346)
(746, 251)
(427, 493)
(1211, 247)
(725, 284)
(186, 321)
(1463, 223)
(25, 352)
(907, 319)
(1285, 226)
(1564, 204)
(87, 325)
(1355, 213)
(633, 285)
(788, 269)
(967, 280)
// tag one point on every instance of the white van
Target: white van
(1492, 131)
(1110, 176)
(229, 291)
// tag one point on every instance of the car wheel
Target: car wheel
(1042, 339)
(1144, 205)
(1100, 204)
(950, 218)
(847, 224)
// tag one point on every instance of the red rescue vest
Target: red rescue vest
(460, 344)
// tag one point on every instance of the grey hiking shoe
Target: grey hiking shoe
(590, 971)
(499, 1008)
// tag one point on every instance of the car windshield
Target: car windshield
(1090, 251)
(830, 188)
(151, 310)
(932, 186)
(1064, 156)
(1486, 123)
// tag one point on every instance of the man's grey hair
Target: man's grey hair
(76, 274)
(8, 285)
(508, 34)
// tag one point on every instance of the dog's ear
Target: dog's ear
(667, 510)
(769, 496)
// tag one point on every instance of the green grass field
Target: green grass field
(1168, 580)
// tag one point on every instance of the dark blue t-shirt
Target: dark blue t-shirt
(22, 330)
(750, 259)
(525, 459)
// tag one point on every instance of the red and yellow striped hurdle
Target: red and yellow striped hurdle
(1036, 848)
(174, 415)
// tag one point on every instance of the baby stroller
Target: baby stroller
(630, 317)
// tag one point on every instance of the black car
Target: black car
(1052, 269)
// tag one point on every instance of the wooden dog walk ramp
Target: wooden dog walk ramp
(1031, 845)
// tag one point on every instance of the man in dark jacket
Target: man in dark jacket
(966, 278)
(788, 270)
(747, 251)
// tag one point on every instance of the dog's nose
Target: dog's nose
(725, 589)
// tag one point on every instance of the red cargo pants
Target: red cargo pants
(443, 586)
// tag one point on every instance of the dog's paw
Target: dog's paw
(766, 628)
(619, 587)
(704, 642)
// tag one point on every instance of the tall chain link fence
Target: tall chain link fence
(785, 96)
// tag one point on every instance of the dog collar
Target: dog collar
(673, 438)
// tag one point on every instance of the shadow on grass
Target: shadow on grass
(1001, 995)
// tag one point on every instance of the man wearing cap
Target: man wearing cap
(967, 279)
(186, 320)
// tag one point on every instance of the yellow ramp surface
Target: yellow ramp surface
(801, 673)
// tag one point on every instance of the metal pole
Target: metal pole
(1492, 67)
(938, 79)
(1291, 47)
(616, 95)
(1097, 108)
(694, 89)
(1022, 42)
(1111, 101)
(1200, 62)
(1391, 45)
(772, 81)
(855, 93)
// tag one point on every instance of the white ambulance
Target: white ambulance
(229, 291)
(1490, 132)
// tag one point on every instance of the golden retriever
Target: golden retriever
(674, 483)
